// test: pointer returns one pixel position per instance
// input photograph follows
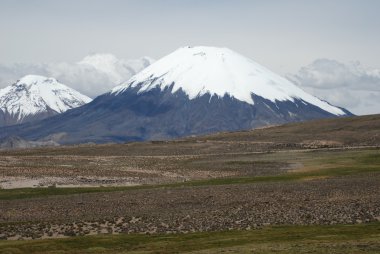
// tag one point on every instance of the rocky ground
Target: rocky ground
(161, 163)
(192, 209)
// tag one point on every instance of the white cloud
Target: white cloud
(351, 86)
(92, 76)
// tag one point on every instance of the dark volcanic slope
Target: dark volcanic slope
(337, 132)
(7, 119)
(157, 115)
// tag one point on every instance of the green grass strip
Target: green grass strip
(283, 239)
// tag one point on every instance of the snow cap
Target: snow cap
(219, 71)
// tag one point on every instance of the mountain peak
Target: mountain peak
(35, 80)
(219, 71)
(34, 94)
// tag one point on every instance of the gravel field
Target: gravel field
(192, 209)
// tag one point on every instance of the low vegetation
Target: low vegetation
(278, 239)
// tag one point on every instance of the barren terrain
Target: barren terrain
(224, 182)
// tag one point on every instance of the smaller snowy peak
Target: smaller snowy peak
(34, 94)
(35, 79)
(219, 71)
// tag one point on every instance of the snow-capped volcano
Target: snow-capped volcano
(219, 71)
(35, 97)
(195, 90)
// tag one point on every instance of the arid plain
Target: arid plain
(305, 187)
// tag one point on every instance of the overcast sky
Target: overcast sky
(287, 36)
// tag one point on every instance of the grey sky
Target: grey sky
(286, 36)
(283, 35)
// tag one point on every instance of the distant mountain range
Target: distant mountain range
(192, 91)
